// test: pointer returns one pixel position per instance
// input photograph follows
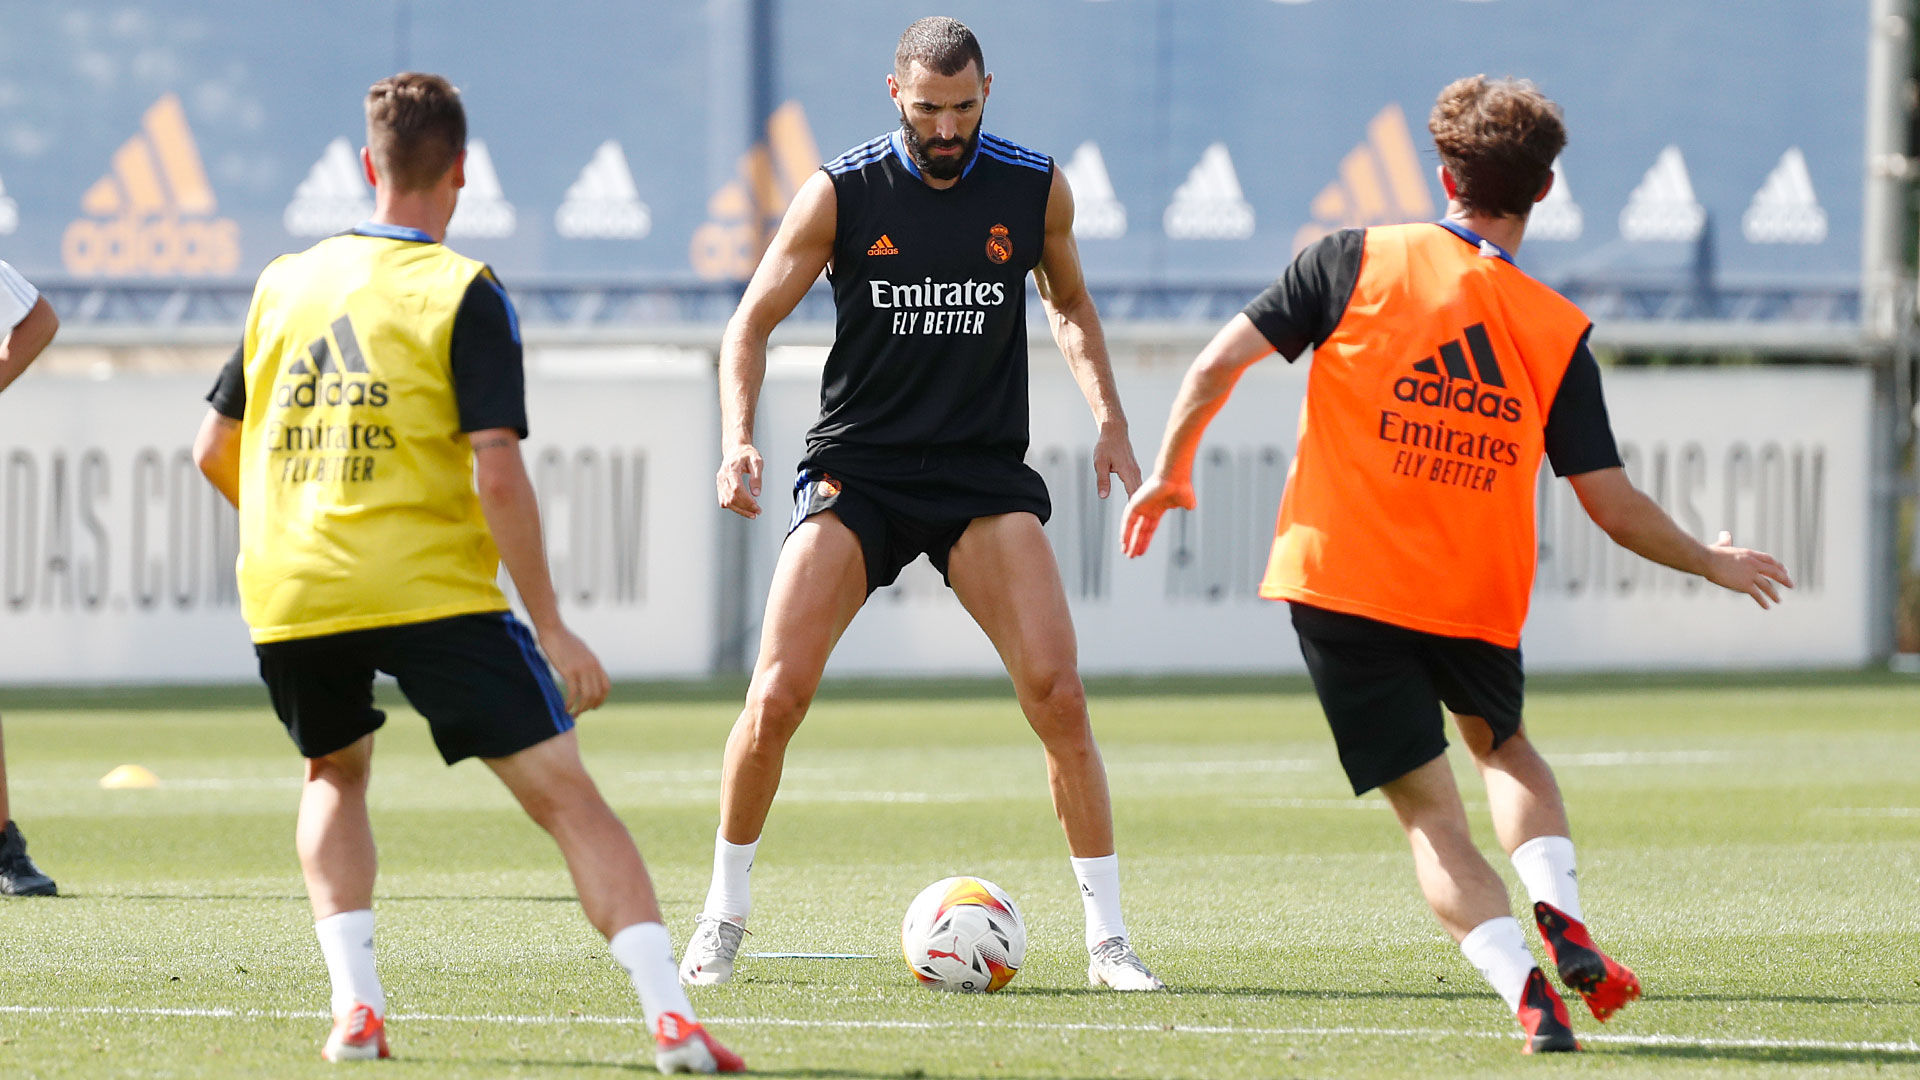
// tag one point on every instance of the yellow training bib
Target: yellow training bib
(357, 504)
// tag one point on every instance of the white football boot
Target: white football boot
(709, 958)
(1112, 963)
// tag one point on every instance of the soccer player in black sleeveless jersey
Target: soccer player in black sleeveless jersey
(927, 235)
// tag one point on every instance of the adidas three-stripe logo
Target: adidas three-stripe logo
(1485, 366)
(351, 360)
(1459, 386)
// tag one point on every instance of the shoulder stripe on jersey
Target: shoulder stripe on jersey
(844, 165)
(1012, 149)
(859, 155)
(861, 150)
(1029, 163)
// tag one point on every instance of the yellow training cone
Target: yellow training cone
(130, 776)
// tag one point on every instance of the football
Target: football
(963, 934)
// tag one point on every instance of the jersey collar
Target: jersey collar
(1486, 246)
(391, 232)
(906, 159)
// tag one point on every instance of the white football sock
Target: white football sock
(1499, 950)
(1100, 894)
(1545, 865)
(346, 941)
(730, 896)
(646, 951)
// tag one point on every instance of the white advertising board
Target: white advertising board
(1779, 457)
(624, 471)
(117, 558)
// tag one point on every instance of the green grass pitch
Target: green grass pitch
(1750, 846)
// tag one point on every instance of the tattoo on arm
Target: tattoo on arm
(488, 442)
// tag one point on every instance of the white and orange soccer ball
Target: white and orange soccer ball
(963, 934)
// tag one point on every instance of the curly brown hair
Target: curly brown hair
(1498, 138)
(416, 127)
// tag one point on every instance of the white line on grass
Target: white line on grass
(1208, 768)
(1642, 757)
(1312, 804)
(1869, 811)
(1908, 1047)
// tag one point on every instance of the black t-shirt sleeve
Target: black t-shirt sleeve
(489, 381)
(229, 394)
(1306, 303)
(1579, 436)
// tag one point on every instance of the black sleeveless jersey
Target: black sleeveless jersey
(929, 287)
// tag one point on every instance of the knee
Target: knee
(1057, 706)
(773, 713)
(349, 773)
(557, 797)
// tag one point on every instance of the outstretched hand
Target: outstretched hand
(1113, 456)
(1144, 511)
(1743, 570)
(739, 481)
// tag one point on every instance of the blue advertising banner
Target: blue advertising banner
(620, 142)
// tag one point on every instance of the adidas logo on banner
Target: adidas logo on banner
(1663, 208)
(1210, 205)
(483, 210)
(332, 198)
(153, 211)
(743, 214)
(1380, 182)
(1556, 217)
(1785, 210)
(603, 203)
(1097, 213)
(9, 212)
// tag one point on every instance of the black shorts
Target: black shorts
(478, 679)
(921, 511)
(1382, 687)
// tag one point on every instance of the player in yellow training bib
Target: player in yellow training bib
(368, 429)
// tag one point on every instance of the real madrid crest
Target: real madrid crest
(999, 244)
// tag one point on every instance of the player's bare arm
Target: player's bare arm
(1637, 523)
(29, 336)
(513, 516)
(800, 252)
(1204, 391)
(1075, 323)
(216, 449)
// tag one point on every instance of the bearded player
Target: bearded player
(928, 235)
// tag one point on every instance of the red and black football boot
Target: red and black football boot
(1605, 986)
(1544, 1017)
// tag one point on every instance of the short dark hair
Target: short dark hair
(416, 128)
(941, 45)
(1498, 138)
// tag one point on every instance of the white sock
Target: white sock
(1499, 950)
(730, 896)
(1100, 894)
(646, 951)
(1545, 864)
(346, 941)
